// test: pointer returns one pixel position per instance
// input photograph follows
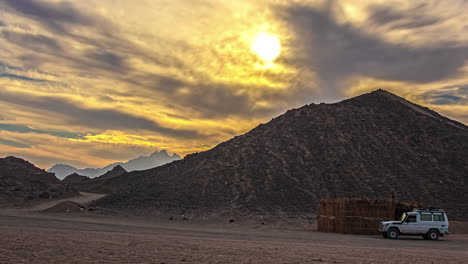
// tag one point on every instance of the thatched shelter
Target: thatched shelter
(358, 215)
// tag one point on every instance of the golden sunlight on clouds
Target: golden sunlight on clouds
(116, 137)
(98, 81)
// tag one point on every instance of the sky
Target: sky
(92, 82)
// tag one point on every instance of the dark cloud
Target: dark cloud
(38, 43)
(108, 60)
(337, 51)
(451, 95)
(203, 99)
(446, 99)
(95, 118)
(109, 47)
(53, 15)
(209, 99)
(105, 98)
(5, 66)
(215, 100)
(26, 129)
(19, 77)
(13, 143)
(411, 19)
(174, 116)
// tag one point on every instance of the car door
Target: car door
(425, 223)
(410, 226)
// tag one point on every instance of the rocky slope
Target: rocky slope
(372, 145)
(155, 159)
(21, 182)
(101, 184)
(75, 179)
(115, 172)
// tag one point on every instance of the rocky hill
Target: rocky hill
(21, 182)
(373, 145)
(75, 179)
(101, 184)
(115, 172)
(155, 159)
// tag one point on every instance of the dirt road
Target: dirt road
(68, 239)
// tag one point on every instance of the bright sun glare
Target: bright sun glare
(266, 46)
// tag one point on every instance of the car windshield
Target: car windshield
(403, 216)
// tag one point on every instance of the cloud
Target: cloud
(114, 55)
(108, 60)
(13, 143)
(19, 77)
(25, 129)
(132, 81)
(34, 42)
(5, 66)
(55, 16)
(96, 118)
(337, 52)
(451, 95)
(411, 19)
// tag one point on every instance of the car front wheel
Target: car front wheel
(433, 235)
(393, 233)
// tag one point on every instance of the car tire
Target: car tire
(433, 234)
(393, 233)
(384, 234)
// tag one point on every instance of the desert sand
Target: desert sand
(28, 236)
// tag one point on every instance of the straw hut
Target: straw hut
(358, 215)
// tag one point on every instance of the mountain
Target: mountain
(373, 145)
(21, 181)
(75, 178)
(115, 172)
(141, 163)
(101, 184)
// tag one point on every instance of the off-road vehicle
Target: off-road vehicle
(430, 223)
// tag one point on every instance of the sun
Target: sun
(267, 47)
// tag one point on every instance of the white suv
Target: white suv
(429, 222)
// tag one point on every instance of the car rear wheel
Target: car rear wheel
(393, 233)
(433, 235)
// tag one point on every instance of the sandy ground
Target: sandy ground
(30, 237)
(84, 199)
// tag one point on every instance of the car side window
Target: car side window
(411, 219)
(426, 217)
(439, 217)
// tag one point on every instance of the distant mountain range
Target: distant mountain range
(141, 163)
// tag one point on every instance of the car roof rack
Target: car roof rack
(428, 209)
